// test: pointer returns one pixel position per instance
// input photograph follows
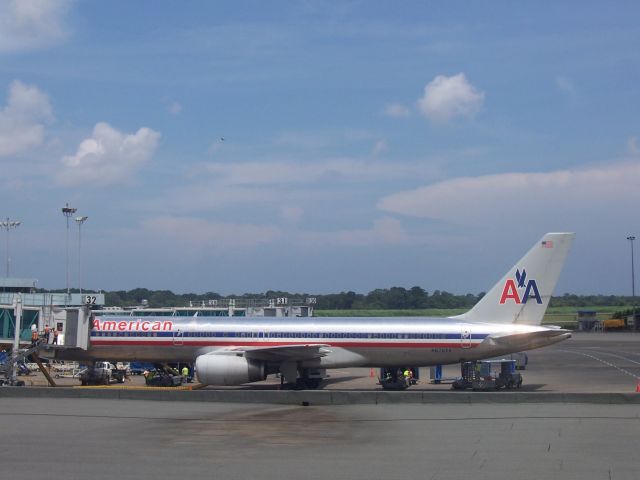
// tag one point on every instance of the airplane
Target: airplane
(240, 350)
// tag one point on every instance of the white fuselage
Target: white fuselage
(345, 342)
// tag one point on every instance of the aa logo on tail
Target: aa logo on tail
(511, 290)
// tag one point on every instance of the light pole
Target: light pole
(631, 239)
(80, 221)
(8, 224)
(68, 212)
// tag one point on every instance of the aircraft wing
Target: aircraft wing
(279, 353)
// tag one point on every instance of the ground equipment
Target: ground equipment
(102, 373)
(488, 375)
(163, 376)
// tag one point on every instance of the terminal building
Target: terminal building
(224, 307)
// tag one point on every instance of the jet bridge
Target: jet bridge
(78, 328)
(17, 324)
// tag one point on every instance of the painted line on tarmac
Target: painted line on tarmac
(620, 356)
(637, 354)
(605, 362)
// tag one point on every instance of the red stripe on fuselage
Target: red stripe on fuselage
(113, 342)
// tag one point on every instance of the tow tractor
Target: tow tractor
(488, 375)
(163, 376)
(394, 378)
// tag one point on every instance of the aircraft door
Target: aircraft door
(178, 337)
(465, 336)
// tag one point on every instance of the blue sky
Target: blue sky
(318, 146)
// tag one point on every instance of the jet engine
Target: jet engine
(228, 370)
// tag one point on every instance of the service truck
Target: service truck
(102, 373)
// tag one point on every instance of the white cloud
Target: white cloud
(22, 120)
(566, 86)
(189, 232)
(384, 231)
(196, 235)
(175, 108)
(207, 197)
(380, 147)
(291, 214)
(108, 156)
(216, 146)
(316, 140)
(577, 197)
(32, 24)
(285, 171)
(448, 97)
(396, 110)
(632, 147)
(306, 140)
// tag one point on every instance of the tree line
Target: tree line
(381, 298)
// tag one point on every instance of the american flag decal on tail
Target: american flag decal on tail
(547, 244)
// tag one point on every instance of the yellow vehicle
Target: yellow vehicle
(613, 323)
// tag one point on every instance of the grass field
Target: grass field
(561, 316)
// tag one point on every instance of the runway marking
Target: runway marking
(606, 363)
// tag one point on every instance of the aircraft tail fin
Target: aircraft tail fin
(523, 294)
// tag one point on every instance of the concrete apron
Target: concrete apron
(320, 397)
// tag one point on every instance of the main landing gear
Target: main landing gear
(292, 378)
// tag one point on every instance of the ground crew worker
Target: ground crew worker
(34, 334)
(55, 336)
(407, 376)
(185, 372)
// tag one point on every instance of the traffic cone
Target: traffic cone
(638, 387)
(372, 374)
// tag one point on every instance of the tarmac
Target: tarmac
(577, 417)
(79, 438)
